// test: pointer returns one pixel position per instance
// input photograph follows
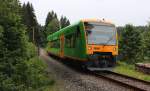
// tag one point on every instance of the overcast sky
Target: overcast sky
(121, 12)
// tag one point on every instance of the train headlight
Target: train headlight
(89, 48)
(114, 48)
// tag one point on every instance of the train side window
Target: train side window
(55, 43)
(78, 31)
(67, 41)
(73, 40)
(70, 40)
(58, 43)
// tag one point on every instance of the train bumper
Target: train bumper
(102, 60)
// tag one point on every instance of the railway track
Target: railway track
(126, 81)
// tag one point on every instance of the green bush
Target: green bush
(37, 76)
(20, 68)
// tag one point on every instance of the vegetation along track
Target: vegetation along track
(124, 80)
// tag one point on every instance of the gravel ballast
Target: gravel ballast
(70, 80)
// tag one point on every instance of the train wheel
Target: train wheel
(112, 61)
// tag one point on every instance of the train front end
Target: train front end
(101, 44)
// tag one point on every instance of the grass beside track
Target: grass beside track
(129, 70)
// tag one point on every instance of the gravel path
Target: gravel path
(70, 80)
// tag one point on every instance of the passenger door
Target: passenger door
(62, 46)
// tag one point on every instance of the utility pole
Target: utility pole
(33, 38)
(33, 34)
(59, 25)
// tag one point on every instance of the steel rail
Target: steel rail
(128, 77)
(135, 88)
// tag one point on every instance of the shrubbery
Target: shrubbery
(20, 68)
(134, 43)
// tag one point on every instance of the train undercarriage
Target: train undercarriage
(96, 62)
(101, 61)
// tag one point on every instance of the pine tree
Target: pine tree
(130, 44)
(17, 72)
(146, 44)
(50, 16)
(29, 19)
(64, 22)
(53, 26)
(14, 49)
(34, 32)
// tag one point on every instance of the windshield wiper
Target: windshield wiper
(108, 41)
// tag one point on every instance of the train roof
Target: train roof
(98, 21)
(67, 29)
(63, 30)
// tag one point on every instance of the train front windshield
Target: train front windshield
(100, 34)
